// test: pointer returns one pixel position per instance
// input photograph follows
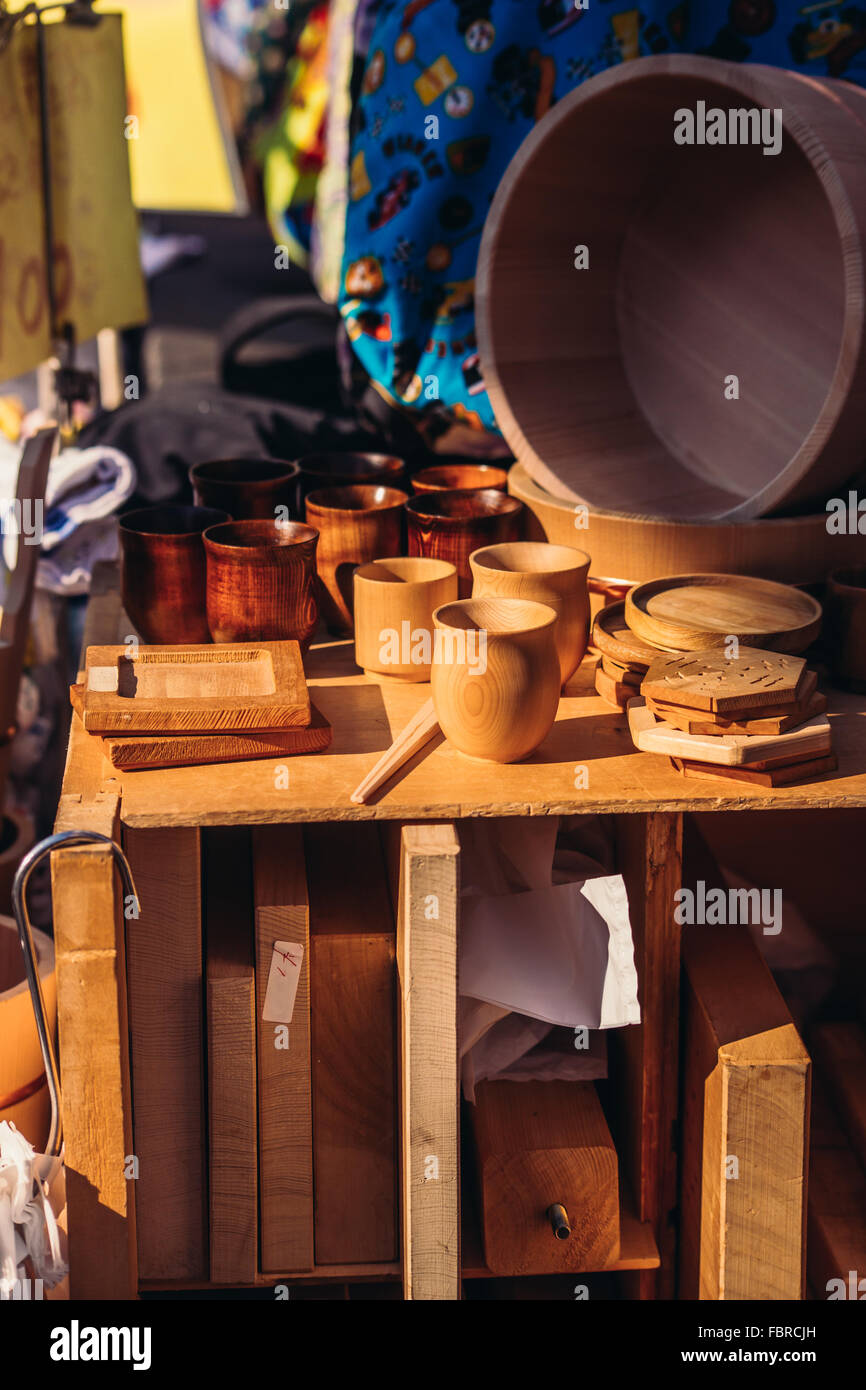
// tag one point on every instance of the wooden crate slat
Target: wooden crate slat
(166, 1028)
(430, 1118)
(231, 1057)
(284, 1088)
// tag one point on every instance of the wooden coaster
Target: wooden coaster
(652, 736)
(692, 722)
(710, 681)
(777, 777)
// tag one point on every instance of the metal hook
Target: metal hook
(25, 936)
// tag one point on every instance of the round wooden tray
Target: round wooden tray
(691, 612)
(612, 636)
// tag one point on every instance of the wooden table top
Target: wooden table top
(586, 764)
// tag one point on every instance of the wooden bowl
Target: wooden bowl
(163, 571)
(247, 488)
(628, 549)
(551, 574)
(261, 581)
(612, 384)
(448, 477)
(450, 525)
(496, 676)
(356, 524)
(344, 470)
(846, 625)
(394, 604)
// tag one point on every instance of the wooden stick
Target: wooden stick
(416, 733)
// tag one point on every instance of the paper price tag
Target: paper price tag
(283, 979)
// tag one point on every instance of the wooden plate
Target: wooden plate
(612, 636)
(231, 687)
(691, 612)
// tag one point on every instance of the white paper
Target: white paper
(283, 979)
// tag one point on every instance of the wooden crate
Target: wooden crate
(421, 812)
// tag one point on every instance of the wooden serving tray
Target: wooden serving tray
(225, 688)
(729, 750)
(691, 612)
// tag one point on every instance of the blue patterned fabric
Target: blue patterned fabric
(451, 88)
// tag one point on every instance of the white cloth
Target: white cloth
(28, 1224)
(85, 487)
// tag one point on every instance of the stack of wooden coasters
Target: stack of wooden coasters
(625, 658)
(757, 717)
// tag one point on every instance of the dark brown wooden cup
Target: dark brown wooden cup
(356, 525)
(345, 470)
(247, 488)
(163, 571)
(261, 581)
(450, 525)
(450, 477)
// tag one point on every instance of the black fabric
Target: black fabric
(191, 422)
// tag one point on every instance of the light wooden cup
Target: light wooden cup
(398, 597)
(551, 574)
(495, 678)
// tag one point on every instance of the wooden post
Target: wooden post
(649, 851)
(94, 1053)
(165, 1015)
(745, 1125)
(427, 966)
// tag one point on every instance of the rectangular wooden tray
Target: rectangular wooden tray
(230, 688)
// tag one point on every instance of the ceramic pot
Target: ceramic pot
(496, 677)
(261, 581)
(551, 574)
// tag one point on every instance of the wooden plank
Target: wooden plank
(353, 1002)
(745, 1125)
(231, 1057)
(93, 1035)
(540, 1143)
(840, 1050)
(644, 1059)
(284, 1092)
(165, 1015)
(430, 1117)
(837, 1206)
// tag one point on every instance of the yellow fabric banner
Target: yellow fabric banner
(97, 271)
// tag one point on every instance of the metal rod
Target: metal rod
(25, 937)
(558, 1217)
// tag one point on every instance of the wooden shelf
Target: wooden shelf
(438, 783)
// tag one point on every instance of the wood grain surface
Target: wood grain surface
(696, 611)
